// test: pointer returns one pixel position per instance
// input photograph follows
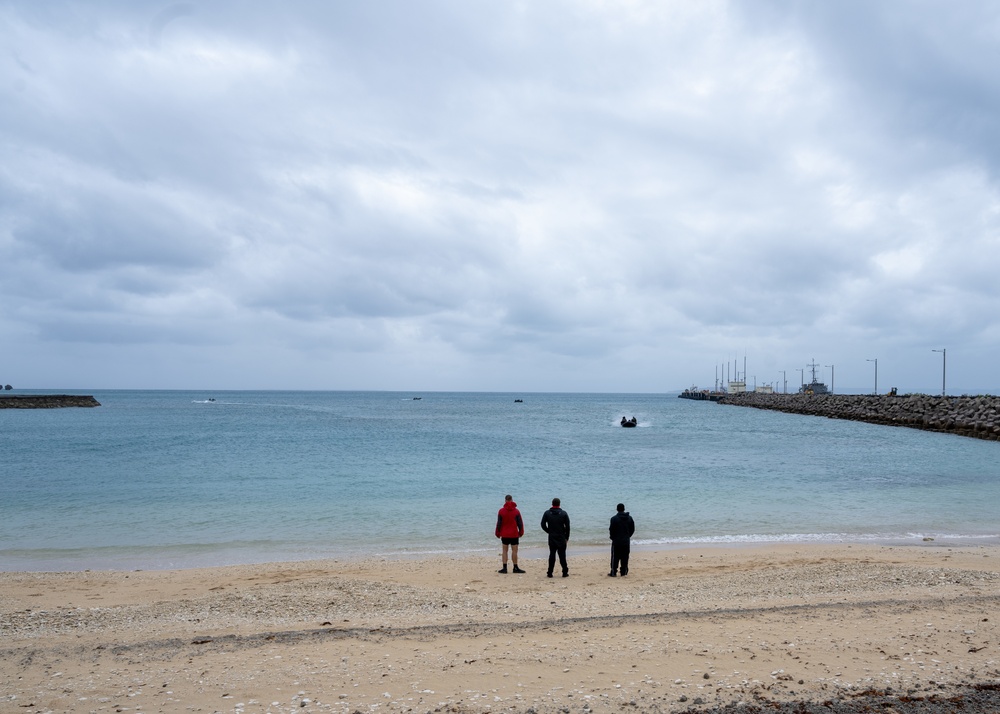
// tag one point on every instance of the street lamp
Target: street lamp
(831, 377)
(876, 372)
(802, 377)
(944, 366)
(784, 382)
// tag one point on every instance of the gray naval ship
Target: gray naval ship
(815, 386)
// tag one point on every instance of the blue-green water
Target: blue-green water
(155, 479)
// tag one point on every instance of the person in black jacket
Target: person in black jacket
(621, 529)
(555, 522)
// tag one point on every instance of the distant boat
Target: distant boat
(815, 386)
(628, 423)
(416, 398)
(518, 401)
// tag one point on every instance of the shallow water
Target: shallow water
(162, 479)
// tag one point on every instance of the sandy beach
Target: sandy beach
(739, 629)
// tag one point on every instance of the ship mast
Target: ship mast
(813, 366)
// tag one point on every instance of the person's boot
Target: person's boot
(517, 569)
(503, 569)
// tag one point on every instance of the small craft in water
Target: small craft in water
(518, 401)
(629, 422)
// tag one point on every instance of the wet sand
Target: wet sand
(687, 630)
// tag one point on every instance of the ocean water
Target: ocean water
(167, 479)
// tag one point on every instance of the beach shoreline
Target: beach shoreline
(99, 560)
(690, 629)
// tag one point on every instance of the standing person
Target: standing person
(509, 530)
(621, 529)
(555, 522)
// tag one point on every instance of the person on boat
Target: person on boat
(509, 530)
(624, 421)
(620, 531)
(555, 522)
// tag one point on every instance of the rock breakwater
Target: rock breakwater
(977, 417)
(46, 401)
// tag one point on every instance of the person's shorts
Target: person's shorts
(509, 541)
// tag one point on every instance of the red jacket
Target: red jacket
(509, 524)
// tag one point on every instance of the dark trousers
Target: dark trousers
(557, 547)
(619, 556)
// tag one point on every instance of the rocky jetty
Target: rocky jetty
(978, 417)
(46, 401)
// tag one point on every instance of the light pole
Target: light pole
(802, 377)
(831, 377)
(876, 373)
(944, 366)
(784, 382)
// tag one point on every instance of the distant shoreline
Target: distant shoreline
(46, 401)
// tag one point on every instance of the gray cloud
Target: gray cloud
(598, 196)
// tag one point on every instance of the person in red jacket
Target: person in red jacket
(509, 530)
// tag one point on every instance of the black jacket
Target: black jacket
(622, 526)
(555, 522)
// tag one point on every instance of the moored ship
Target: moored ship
(815, 386)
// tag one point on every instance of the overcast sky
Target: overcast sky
(575, 195)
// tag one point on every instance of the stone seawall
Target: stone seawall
(46, 401)
(978, 417)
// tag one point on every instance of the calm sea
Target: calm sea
(165, 479)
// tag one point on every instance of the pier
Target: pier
(701, 395)
(46, 401)
(973, 416)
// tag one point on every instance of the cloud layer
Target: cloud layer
(586, 196)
